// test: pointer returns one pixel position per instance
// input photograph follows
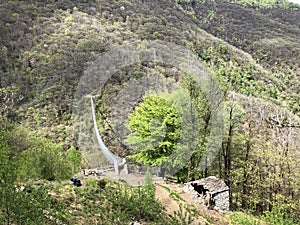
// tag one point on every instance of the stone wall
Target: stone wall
(221, 201)
(211, 192)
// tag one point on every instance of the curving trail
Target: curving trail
(205, 216)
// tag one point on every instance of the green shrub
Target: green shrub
(68, 19)
(125, 204)
(41, 159)
(15, 15)
(223, 49)
(67, 32)
(148, 178)
(182, 217)
(279, 217)
(91, 183)
(243, 219)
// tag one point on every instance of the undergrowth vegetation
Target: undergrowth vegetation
(277, 216)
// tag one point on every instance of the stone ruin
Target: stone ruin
(210, 191)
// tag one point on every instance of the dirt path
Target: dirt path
(169, 203)
(205, 216)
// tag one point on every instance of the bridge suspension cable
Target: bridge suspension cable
(111, 158)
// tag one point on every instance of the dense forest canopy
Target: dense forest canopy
(251, 51)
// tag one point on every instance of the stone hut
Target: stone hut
(210, 191)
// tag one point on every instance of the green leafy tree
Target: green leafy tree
(165, 130)
(74, 159)
(43, 159)
(200, 105)
(155, 127)
(17, 206)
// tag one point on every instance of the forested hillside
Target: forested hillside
(251, 49)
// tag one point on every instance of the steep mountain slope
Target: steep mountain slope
(45, 45)
(269, 35)
(254, 52)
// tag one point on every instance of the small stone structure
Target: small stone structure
(209, 191)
